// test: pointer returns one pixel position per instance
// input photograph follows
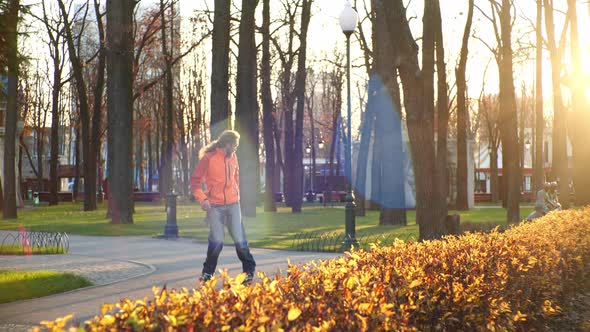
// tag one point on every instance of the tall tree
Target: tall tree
(220, 68)
(538, 172)
(502, 24)
(462, 202)
(442, 115)
(287, 58)
(300, 78)
(488, 105)
(559, 164)
(120, 108)
(418, 102)
(508, 117)
(55, 31)
(11, 32)
(384, 97)
(247, 109)
(581, 119)
(90, 123)
(267, 111)
(166, 182)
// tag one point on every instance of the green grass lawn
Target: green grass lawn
(19, 250)
(18, 285)
(268, 230)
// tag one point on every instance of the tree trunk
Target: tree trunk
(247, 110)
(367, 130)
(1, 196)
(91, 162)
(559, 165)
(150, 159)
(538, 167)
(508, 118)
(76, 164)
(166, 181)
(494, 178)
(9, 209)
(39, 147)
(443, 109)
(299, 114)
(81, 90)
(53, 161)
(462, 202)
(581, 121)
(417, 85)
(220, 68)
(120, 108)
(267, 111)
(388, 126)
(384, 92)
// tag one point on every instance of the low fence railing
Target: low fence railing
(335, 241)
(36, 242)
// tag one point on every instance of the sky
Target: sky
(325, 35)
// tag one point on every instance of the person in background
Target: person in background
(551, 200)
(546, 201)
(218, 171)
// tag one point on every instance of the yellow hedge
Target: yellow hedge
(513, 280)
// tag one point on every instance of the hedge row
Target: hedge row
(514, 280)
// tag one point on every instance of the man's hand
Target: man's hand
(205, 205)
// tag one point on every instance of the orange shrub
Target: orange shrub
(498, 281)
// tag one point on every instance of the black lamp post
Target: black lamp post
(308, 153)
(348, 21)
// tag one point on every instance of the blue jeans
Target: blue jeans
(219, 216)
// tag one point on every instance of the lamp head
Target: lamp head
(348, 19)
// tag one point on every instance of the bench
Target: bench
(146, 196)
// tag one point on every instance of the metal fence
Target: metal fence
(334, 241)
(37, 242)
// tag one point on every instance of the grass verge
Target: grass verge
(20, 285)
(266, 230)
(20, 250)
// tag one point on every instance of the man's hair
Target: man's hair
(227, 136)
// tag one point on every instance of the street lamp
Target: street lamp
(308, 169)
(348, 20)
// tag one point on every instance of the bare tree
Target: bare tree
(419, 107)
(220, 68)
(538, 172)
(90, 121)
(166, 182)
(384, 100)
(55, 33)
(502, 23)
(443, 109)
(559, 166)
(287, 56)
(268, 112)
(11, 25)
(581, 122)
(300, 78)
(462, 202)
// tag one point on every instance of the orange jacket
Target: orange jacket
(220, 174)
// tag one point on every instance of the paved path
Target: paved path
(124, 267)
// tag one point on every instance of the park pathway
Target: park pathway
(125, 267)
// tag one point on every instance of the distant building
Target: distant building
(483, 166)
